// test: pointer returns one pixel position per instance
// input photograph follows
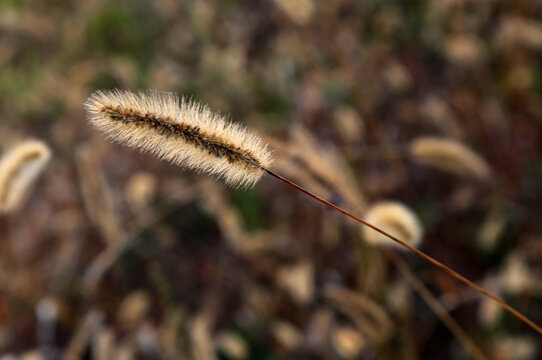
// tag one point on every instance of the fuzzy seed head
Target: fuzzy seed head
(181, 131)
(450, 156)
(396, 219)
(19, 168)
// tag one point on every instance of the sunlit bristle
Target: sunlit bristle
(19, 168)
(181, 131)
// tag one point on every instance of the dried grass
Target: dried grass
(19, 169)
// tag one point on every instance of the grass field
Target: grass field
(113, 254)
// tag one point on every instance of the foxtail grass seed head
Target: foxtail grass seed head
(286, 334)
(347, 341)
(231, 344)
(19, 168)
(181, 131)
(396, 219)
(298, 281)
(140, 190)
(449, 156)
(299, 11)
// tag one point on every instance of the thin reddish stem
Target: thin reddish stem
(414, 250)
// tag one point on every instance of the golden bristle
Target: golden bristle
(396, 219)
(181, 131)
(450, 156)
(19, 168)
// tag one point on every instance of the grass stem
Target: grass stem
(414, 250)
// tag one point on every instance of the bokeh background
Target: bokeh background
(116, 255)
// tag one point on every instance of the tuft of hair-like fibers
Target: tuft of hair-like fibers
(450, 156)
(396, 219)
(19, 168)
(181, 131)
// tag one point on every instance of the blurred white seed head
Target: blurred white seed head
(399, 297)
(124, 351)
(350, 125)
(19, 168)
(286, 334)
(140, 190)
(397, 220)
(298, 281)
(464, 50)
(397, 77)
(347, 342)
(181, 131)
(515, 348)
(516, 277)
(47, 310)
(232, 345)
(103, 344)
(489, 312)
(515, 31)
(300, 11)
(31, 355)
(449, 156)
(134, 308)
(438, 114)
(491, 230)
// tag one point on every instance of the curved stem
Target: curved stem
(414, 250)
